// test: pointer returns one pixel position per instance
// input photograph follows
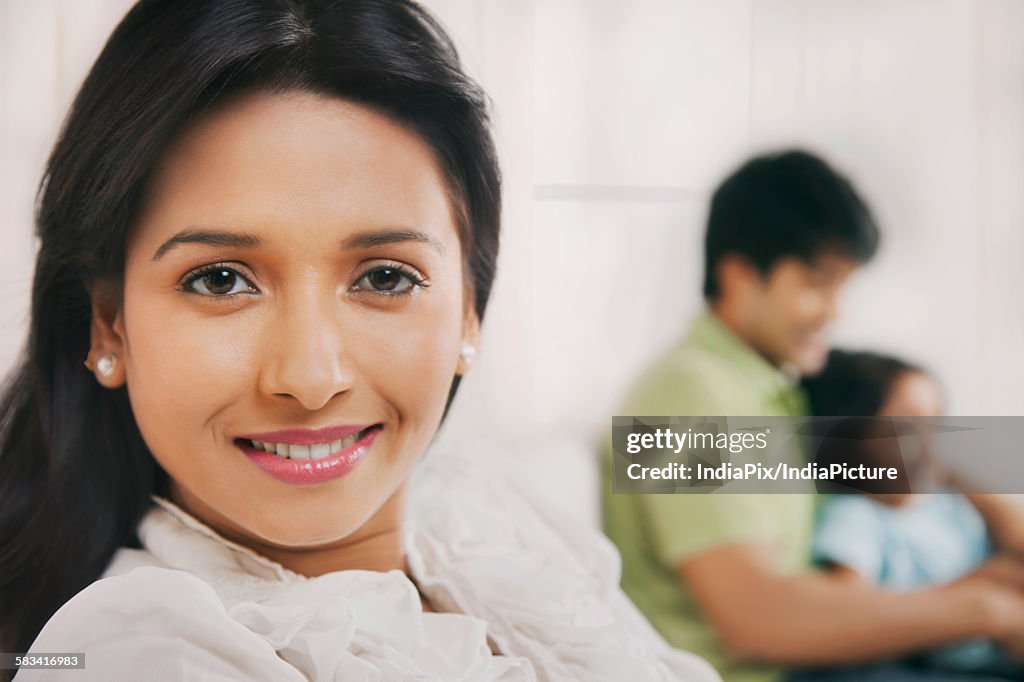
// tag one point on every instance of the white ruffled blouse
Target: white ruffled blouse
(192, 605)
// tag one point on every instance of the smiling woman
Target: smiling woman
(334, 301)
(269, 228)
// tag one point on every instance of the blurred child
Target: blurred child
(927, 528)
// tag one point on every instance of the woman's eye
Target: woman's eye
(219, 282)
(388, 280)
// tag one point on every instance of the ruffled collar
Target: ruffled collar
(493, 562)
(330, 626)
(222, 557)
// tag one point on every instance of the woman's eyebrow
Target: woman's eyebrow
(249, 241)
(390, 236)
(210, 238)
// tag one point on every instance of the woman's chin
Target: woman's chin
(301, 534)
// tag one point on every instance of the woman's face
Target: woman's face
(296, 267)
(917, 396)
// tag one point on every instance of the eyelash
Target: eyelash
(197, 274)
(415, 280)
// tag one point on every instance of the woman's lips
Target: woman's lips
(307, 436)
(310, 471)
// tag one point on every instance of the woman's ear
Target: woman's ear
(107, 349)
(470, 345)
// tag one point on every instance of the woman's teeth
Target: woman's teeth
(315, 451)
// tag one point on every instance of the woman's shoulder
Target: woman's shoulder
(462, 499)
(155, 623)
(128, 592)
(483, 542)
(127, 559)
(167, 624)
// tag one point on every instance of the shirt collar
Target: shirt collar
(182, 541)
(712, 335)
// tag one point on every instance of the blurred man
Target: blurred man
(728, 576)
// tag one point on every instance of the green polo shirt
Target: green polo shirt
(711, 373)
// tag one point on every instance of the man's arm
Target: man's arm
(1003, 515)
(832, 619)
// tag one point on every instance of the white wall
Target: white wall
(638, 108)
(614, 121)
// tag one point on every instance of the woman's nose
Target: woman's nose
(307, 358)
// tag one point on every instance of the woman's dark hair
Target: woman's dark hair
(854, 384)
(75, 474)
(845, 397)
(787, 204)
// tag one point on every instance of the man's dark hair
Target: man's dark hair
(787, 204)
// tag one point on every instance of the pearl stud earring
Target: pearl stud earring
(467, 353)
(105, 365)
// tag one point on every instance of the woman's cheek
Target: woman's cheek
(411, 361)
(185, 368)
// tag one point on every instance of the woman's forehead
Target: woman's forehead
(298, 166)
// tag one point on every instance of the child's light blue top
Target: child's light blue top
(932, 540)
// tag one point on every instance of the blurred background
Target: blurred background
(614, 122)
